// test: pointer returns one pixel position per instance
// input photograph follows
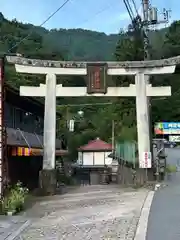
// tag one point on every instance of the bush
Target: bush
(14, 199)
(67, 180)
(171, 168)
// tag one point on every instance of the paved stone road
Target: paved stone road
(164, 218)
(104, 212)
(9, 225)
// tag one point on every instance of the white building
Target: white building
(95, 153)
(93, 163)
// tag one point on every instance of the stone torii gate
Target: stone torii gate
(51, 90)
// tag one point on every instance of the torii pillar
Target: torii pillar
(50, 91)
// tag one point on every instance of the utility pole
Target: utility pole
(140, 25)
(145, 7)
(150, 18)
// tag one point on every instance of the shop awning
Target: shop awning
(22, 151)
(18, 138)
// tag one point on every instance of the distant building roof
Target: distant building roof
(96, 145)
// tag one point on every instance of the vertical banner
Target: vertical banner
(97, 78)
(146, 161)
(71, 125)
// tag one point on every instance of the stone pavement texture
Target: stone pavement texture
(101, 212)
(164, 217)
(10, 225)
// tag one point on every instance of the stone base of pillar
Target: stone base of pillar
(47, 182)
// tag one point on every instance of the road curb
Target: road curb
(143, 220)
(16, 233)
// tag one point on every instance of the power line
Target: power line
(87, 20)
(136, 24)
(135, 7)
(45, 21)
(129, 9)
(96, 14)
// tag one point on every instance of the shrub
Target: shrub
(171, 168)
(14, 199)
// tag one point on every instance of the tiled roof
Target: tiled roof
(96, 145)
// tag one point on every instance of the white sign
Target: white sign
(71, 125)
(174, 138)
(146, 161)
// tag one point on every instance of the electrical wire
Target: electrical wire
(45, 21)
(96, 14)
(85, 21)
(135, 7)
(129, 9)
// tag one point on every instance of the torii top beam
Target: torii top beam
(73, 64)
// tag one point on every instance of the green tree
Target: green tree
(169, 108)
(129, 48)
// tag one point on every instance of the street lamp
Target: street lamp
(80, 113)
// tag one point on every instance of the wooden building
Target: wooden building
(93, 162)
(21, 136)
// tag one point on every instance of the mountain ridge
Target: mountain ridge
(74, 44)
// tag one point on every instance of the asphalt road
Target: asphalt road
(173, 156)
(164, 215)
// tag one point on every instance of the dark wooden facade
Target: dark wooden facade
(23, 119)
(21, 132)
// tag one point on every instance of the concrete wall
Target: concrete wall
(126, 176)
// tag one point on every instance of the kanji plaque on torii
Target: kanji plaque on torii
(97, 78)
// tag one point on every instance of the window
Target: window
(8, 115)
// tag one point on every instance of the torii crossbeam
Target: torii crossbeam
(50, 91)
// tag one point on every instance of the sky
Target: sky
(107, 16)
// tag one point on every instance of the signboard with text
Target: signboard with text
(97, 74)
(174, 138)
(70, 124)
(167, 128)
(146, 161)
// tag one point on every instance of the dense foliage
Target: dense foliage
(78, 44)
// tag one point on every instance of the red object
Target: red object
(146, 159)
(97, 77)
(96, 145)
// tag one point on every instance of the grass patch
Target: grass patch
(171, 168)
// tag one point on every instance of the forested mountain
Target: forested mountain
(73, 44)
(78, 44)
